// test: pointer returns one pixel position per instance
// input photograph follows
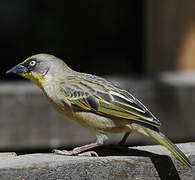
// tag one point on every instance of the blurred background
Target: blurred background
(145, 46)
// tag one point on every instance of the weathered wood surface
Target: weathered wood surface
(140, 163)
(28, 121)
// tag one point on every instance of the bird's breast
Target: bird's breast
(100, 123)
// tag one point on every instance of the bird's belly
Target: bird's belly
(96, 122)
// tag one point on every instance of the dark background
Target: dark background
(100, 37)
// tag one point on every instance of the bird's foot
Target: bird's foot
(75, 152)
(63, 152)
(88, 154)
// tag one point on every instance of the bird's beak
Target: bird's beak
(18, 69)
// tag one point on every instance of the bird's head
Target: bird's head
(39, 67)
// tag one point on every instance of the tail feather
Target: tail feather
(164, 141)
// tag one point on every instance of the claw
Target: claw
(88, 154)
(74, 152)
(63, 152)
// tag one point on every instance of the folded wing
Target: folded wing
(107, 101)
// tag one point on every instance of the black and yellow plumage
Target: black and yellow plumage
(104, 98)
(93, 102)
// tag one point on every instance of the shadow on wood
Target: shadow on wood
(163, 163)
(142, 162)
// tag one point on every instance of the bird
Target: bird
(94, 102)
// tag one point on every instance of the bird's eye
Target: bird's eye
(32, 63)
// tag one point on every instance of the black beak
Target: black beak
(17, 69)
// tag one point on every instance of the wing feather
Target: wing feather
(112, 102)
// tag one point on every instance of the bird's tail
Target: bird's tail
(164, 141)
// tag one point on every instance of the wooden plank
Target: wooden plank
(142, 163)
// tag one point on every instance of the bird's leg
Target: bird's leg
(122, 142)
(80, 150)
